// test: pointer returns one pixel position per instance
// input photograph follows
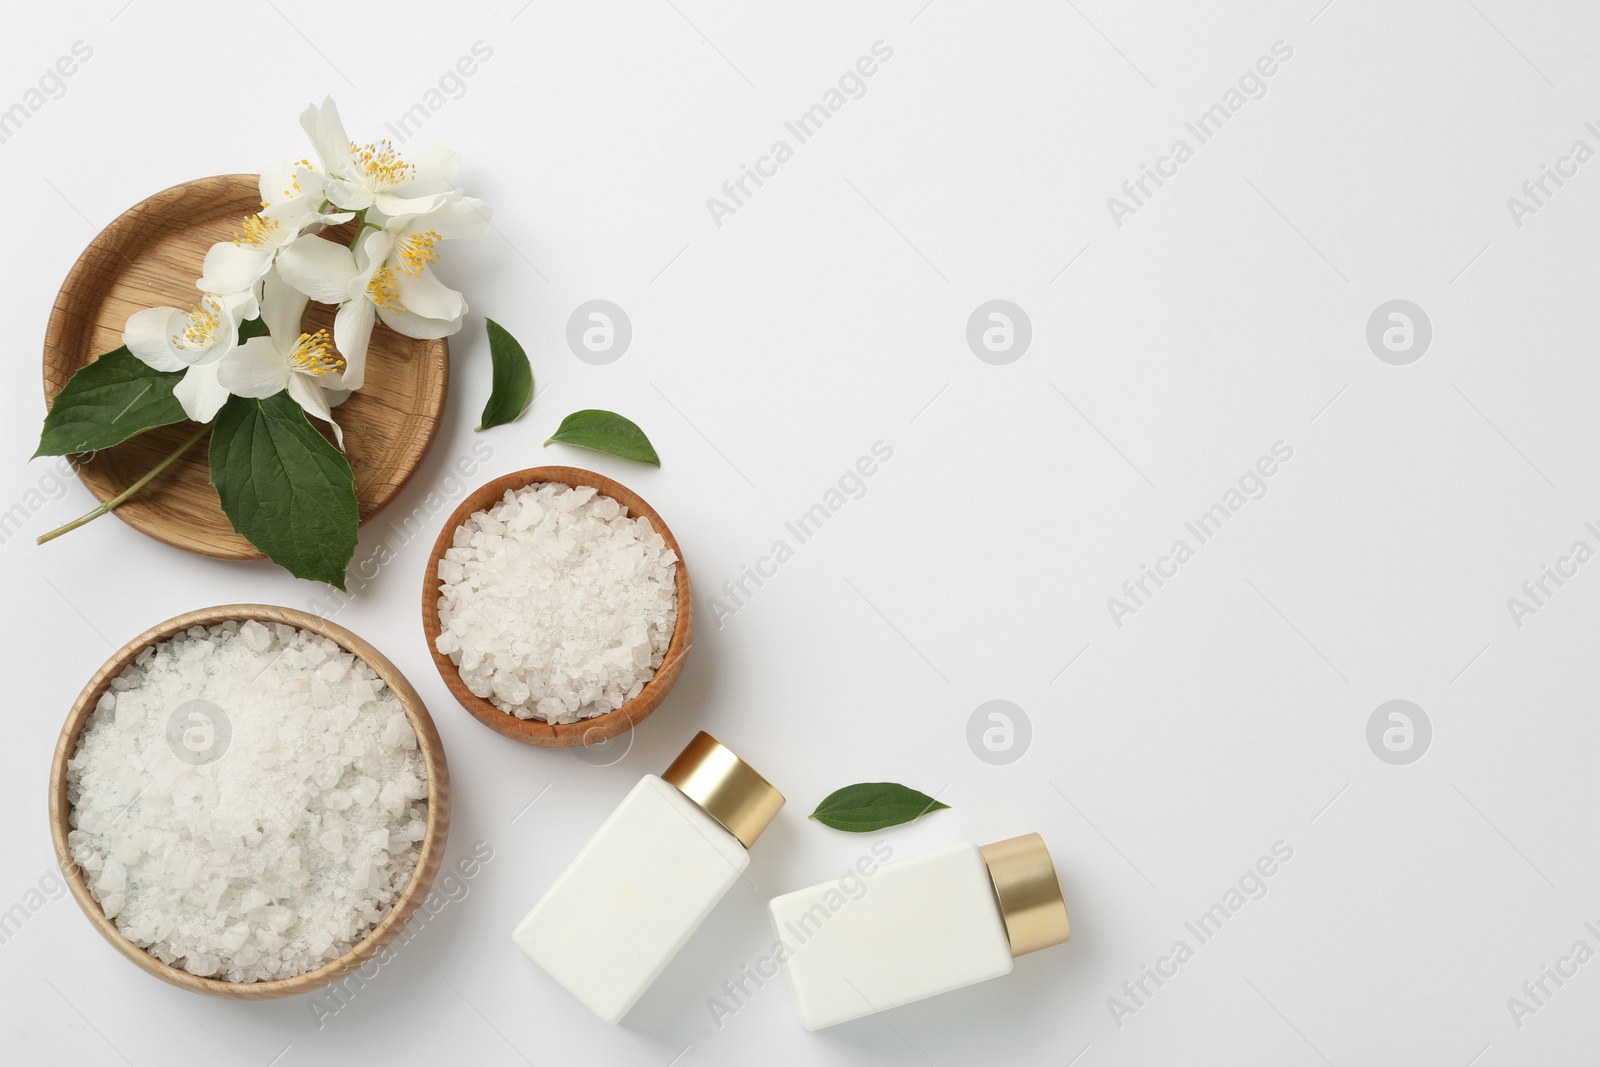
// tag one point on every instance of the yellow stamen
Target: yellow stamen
(313, 354)
(257, 230)
(381, 164)
(418, 252)
(294, 189)
(383, 291)
(200, 328)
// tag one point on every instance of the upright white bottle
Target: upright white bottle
(614, 919)
(921, 927)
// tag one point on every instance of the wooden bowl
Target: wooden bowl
(150, 256)
(400, 912)
(584, 731)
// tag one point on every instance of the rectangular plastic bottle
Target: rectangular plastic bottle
(644, 883)
(924, 926)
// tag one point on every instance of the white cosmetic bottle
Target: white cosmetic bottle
(614, 919)
(923, 926)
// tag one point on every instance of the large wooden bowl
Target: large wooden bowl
(584, 731)
(150, 257)
(400, 912)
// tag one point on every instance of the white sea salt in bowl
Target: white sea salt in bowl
(557, 606)
(261, 853)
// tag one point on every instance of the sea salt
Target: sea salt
(276, 848)
(555, 605)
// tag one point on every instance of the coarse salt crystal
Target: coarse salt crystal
(554, 604)
(271, 857)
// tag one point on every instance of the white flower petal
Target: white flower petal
(307, 392)
(276, 182)
(326, 130)
(424, 294)
(337, 218)
(450, 215)
(318, 268)
(201, 393)
(233, 268)
(465, 219)
(352, 332)
(255, 369)
(239, 307)
(436, 169)
(283, 223)
(283, 308)
(405, 206)
(148, 335)
(313, 186)
(350, 195)
(283, 182)
(371, 252)
(413, 325)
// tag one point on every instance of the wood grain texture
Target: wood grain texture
(150, 257)
(433, 840)
(585, 731)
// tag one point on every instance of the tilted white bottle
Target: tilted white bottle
(923, 926)
(644, 883)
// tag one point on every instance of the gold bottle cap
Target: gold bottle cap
(726, 787)
(1029, 893)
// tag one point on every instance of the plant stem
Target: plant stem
(117, 501)
(362, 226)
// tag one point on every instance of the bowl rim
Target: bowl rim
(584, 731)
(400, 912)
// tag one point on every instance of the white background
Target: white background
(829, 313)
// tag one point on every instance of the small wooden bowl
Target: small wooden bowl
(400, 912)
(584, 731)
(150, 256)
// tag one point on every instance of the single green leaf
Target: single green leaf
(608, 432)
(107, 402)
(284, 487)
(860, 809)
(249, 328)
(513, 378)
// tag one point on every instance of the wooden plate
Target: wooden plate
(150, 257)
(433, 841)
(584, 731)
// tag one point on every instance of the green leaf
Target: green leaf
(284, 487)
(249, 328)
(860, 809)
(608, 432)
(107, 402)
(513, 378)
